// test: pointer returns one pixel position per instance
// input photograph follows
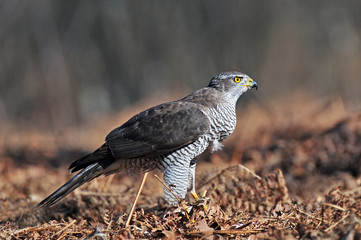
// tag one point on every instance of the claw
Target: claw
(195, 196)
(204, 193)
(203, 196)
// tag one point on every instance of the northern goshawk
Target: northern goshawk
(169, 137)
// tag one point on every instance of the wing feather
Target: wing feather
(158, 130)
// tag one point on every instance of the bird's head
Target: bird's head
(232, 84)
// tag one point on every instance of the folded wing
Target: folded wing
(153, 132)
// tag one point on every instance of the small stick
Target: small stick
(170, 190)
(136, 199)
(249, 171)
(338, 222)
(335, 206)
(64, 228)
(165, 185)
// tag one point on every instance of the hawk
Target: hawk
(168, 136)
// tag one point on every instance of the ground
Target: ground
(284, 174)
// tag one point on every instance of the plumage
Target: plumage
(158, 130)
(168, 136)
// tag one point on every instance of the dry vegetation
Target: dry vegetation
(283, 175)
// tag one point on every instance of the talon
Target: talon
(205, 207)
(185, 209)
(195, 196)
(204, 193)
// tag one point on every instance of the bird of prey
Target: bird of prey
(168, 136)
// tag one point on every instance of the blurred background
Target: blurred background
(64, 64)
(71, 71)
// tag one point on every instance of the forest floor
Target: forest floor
(291, 170)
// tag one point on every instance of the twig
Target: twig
(179, 201)
(35, 229)
(165, 185)
(235, 231)
(249, 171)
(230, 231)
(310, 215)
(335, 206)
(337, 223)
(104, 194)
(64, 228)
(240, 166)
(136, 199)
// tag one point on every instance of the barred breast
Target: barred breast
(222, 120)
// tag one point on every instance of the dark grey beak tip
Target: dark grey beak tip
(254, 85)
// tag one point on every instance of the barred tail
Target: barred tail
(87, 174)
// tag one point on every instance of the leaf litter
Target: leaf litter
(287, 182)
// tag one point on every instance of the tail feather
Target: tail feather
(92, 165)
(98, 155)
(87, 174)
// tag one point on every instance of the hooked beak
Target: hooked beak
(254, 85)
(251, 84)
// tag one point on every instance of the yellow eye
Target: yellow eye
(237, 79)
